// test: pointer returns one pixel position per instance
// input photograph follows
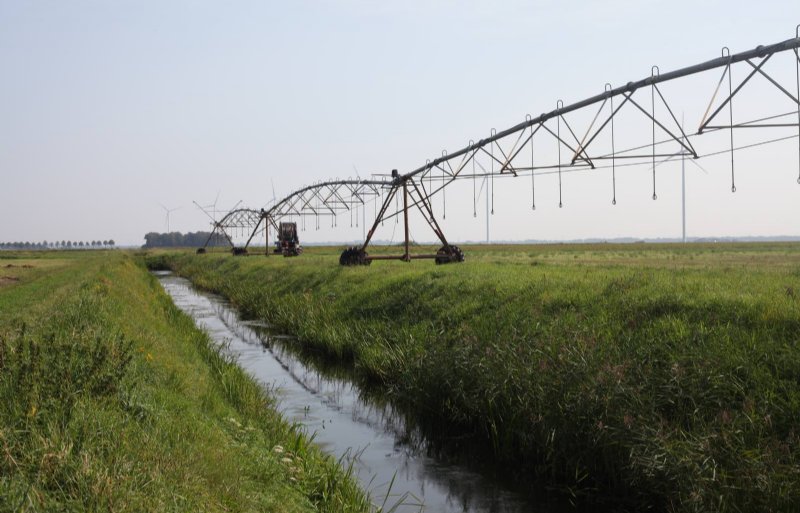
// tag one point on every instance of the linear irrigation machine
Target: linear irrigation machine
(604, 142)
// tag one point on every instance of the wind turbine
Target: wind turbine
(274, 200)
(683, 191)
(168, 211)
(212, 206)
(683, 185)
(483, 190)
(363, 209)
(683, 179)
(204, 210)
(234, 207)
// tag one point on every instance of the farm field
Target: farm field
(243, 269)
(665, 376)
(112, 400)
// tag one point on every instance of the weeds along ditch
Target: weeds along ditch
(641, 375)
(111, 399)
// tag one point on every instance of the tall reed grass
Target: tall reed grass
(659, 377)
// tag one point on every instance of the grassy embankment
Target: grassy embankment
(112, 399)
(666, 376)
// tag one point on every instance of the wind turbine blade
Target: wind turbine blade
(205, 212)
(701, 168)
(668, 159)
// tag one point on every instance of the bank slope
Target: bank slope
(650, 376)
(112, 399)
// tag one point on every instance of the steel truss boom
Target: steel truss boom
(761, 52)
(504, 153)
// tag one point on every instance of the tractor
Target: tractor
(288, 242)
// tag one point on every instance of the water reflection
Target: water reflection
(389, 453)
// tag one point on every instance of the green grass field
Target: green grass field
(112, 400)
(665, 376)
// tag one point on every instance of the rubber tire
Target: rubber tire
(449, 254)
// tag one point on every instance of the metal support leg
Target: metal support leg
(428, 214)
(253, 234)
(230, 241)
(379, 218)
(407, 256)
(797, 76)
(358, 255)
(210, 235)
(447, 253)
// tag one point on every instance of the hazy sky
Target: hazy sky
(108, 108)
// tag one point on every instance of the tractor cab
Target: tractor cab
(288, 243)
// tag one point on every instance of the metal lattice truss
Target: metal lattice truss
(510, 152)
(328, 198)
(318, 201)
(591, 142)
(241, 219)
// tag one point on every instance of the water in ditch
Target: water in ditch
(390, 456)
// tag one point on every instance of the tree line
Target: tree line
(178, 240)
(63, 244)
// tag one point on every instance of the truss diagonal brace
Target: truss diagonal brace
(379, 217)
(735, 91)
(661, 125)
(429, 217)
(773, 81)
(565, 143)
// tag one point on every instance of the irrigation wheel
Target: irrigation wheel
(354, 256)
(448, 254)
(292, 252)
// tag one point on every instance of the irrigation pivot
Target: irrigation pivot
(593, 144)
